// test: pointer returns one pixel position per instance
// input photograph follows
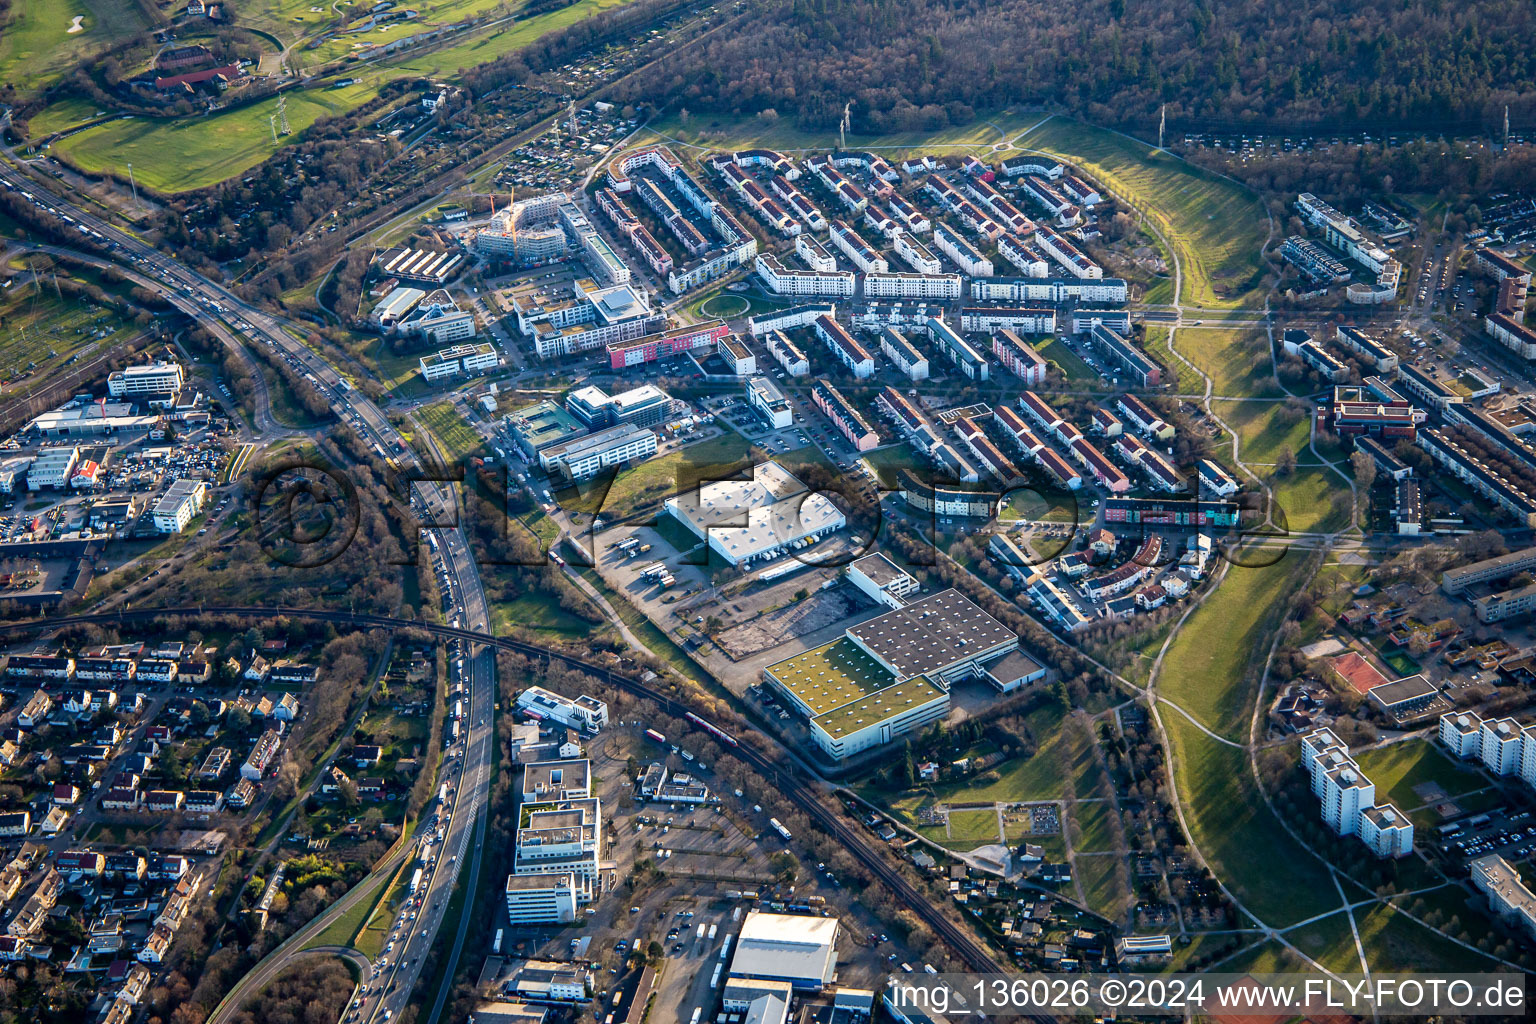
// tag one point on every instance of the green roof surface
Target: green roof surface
(879, 706)
(848, 690)
(829, 676)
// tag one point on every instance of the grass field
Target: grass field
(1264, 429)
(645, 486)
(458, 438)
(38, 327)
(1186, 380)
(1204, 669)
(1094, 822)
(534, 612)
(1238, 361)
(1398, 767)
(1217, 227)
(1239, 836)
(1330, 942)
(181, 155)
(192, 153)
(973, 828)
(1062, 759)
(1393, 942)
(64, 114)
(1068, 363)
(37, 48)
(1106, 884)
(1307, 499)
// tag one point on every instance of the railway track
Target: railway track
(793, 785)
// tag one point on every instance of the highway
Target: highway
(469, 771)
(774, 765)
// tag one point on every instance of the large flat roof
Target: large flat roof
(879, 706)
(830, 676)
(931, 633)
(786, 946)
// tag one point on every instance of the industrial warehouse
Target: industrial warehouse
(890, 675)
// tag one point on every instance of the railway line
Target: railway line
(793, 785)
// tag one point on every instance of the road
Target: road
(223, 313)
(773, 763)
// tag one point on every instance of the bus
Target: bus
(778, 826)
(652, 734)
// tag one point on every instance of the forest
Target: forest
(923, 65)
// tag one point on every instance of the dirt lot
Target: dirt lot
(775, 616)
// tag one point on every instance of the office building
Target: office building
(582, 458)
(179, 505)
(768, 400)
(460, 359)
(587, 714)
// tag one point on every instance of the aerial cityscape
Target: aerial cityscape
(765, 512)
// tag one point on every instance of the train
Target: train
(778, 826)
(652, 734)
(713, 730)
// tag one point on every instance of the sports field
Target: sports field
(37, 47)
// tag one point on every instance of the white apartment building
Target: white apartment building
(1507, 893)
(904, 355)
(917, 255)
(814, 255)
(853, 245)
(1348, 797)
(912, 286)
(181, 502)
(145, 379)
(1067, 254)
(788, 354)
(843, 345)
(1503, 745)
(782, 280)
(965, 255)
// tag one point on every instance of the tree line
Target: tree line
(923, 65)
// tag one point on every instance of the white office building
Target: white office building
(584, 457)
(588, 714)
(546, 897)
(766, 397)
(145, 380)
(182, 501)
(450, 362)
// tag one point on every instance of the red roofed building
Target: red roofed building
(227, 73)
